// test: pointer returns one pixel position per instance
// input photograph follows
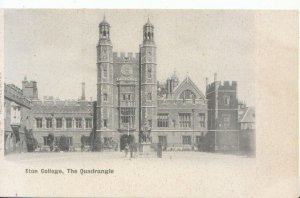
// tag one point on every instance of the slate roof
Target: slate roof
(65, 108)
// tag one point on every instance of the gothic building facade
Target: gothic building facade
(130, 101)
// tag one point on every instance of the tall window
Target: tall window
(149, 72)
(104, 71)
(163, 120)
(105, 97)
(127, 116)
(185, 120)
(48, 122)
(104, 122)
(226, 100)
(149, 96)
(58, 122)
(202, 119)
(78, 122)
(186, 140)
(88, 123)
(69, 123)
(70, 139)
(226, 121)
(46, 141)
(39, 122)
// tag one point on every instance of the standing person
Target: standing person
(126, 149)
(131, 150)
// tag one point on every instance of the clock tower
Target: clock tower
(104, 78)
(148, 82)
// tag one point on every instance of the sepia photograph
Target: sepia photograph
(134, 99)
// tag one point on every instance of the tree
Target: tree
(63, 143)
(51, 140)
(31, 142)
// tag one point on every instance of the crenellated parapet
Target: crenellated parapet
(222, 85)
(125, 57)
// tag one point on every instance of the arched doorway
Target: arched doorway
(126, 139)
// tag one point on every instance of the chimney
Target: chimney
(83, 91)
(215, 77)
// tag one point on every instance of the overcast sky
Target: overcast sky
(57, 48)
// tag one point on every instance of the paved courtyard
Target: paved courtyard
(115, 156)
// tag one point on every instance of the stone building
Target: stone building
(132, 104)
(130, 101)
(223, 123)
(17, 115)
(70, 118)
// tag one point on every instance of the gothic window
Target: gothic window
(104, 71)
(127, 117)
(226, 121)
(145, 35)
(185, 120)
(202, 119)
(105, 97)
(39, 122)
(187, 140)
(104, 122)
(149, 96)
(163, 120)
(46, 141)
(149, 72)
(148, 35)
(104, 33)
(188, 95)
(78, 122)
(48, 122)
(68, 123)
(58, 122)
(88, 123)
(226, 100)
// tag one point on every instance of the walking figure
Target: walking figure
(126, 149)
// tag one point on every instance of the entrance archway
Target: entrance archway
(126, 139)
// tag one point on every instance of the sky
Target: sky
(57, 48)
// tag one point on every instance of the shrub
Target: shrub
(63, 143)
(31, 142)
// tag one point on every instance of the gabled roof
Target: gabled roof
(249, 115)
(187, 84)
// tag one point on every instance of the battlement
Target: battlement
(29, 84)
(125, 56)
(225, 85)
(49, 101)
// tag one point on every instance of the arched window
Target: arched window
(149, 34)
(104, 33)
(145, 35)
(187, 94)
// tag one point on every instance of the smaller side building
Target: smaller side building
(17, 115)
(70, 118)
(223, 123)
